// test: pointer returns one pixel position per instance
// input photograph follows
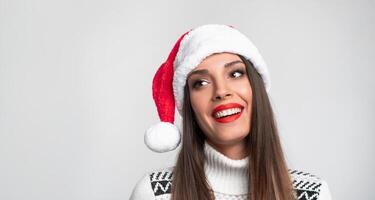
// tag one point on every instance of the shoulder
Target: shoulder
(155, 184)
(309, 186)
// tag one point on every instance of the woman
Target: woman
(218, 81)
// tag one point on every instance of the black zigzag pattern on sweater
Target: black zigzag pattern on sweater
(306, 185)
(161, 182)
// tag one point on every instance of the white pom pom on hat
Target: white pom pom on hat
(169, 81)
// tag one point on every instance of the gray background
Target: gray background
(75, 89)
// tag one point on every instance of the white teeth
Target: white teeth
(227, 112)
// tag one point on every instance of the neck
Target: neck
(225, 175)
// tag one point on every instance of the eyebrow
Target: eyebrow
(205, 71)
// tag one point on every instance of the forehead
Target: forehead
(215, 62)
(217, 59)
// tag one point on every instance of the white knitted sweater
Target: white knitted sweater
(228, 179)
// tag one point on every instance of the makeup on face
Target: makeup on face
(198, 74)
(226, 113)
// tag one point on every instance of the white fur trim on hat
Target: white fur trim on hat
(206, 40)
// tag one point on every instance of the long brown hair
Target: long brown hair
(267, 170)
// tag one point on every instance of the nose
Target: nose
(221, 91)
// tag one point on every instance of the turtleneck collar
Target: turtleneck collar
(225, 175)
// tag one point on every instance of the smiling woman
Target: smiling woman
(221, 100)
(231, 149)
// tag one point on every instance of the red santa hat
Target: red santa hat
(169, 81)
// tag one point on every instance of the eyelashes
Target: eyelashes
(197, 83)
(241, 72)
(237, 73)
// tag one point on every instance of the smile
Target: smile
(227, 112)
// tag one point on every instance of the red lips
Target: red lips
(224, 107)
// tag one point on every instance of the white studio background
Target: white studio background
(75, 89)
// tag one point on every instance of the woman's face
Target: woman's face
(221, 98)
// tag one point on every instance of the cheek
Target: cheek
(243, 89)
(248, 95)
(198, 102)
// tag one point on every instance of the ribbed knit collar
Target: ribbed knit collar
(225, 175)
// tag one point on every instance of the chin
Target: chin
(229, 139)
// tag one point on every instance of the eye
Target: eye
(199, 83)
(237, 73)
